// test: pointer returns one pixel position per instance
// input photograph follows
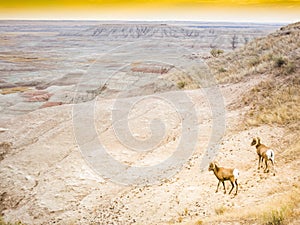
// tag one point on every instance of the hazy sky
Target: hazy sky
(209, 10)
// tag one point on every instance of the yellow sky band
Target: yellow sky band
(210, 10)
(25, 4)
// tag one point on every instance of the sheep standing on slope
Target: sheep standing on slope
(225, 174)
(264, 153)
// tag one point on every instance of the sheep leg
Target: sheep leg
(262, 161)
(224, 187)
(266, 169)
(273, 164)
(232, 186)
(218, 186)
(237, 186)
(259, 159)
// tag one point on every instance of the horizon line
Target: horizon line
(147, 20)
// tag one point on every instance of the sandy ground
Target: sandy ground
(45, 179)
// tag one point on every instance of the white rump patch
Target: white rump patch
(270, 154)
(236, 173)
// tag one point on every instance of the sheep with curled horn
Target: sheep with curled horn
(264, 154)
(224, 174)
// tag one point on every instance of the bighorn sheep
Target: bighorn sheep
(264, 153)
(225, 174)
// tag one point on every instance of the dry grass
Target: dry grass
(280, 210)
(274, 102)
(275, 61)
(293, 151)
(216, 52)
(283, 210)
(183, 80)
(181, 84)
(276, 54)
(6, 91)
(2, 222)
(220, 210)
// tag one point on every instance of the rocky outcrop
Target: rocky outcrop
(37, 96)
(50, 104)
(139, 31)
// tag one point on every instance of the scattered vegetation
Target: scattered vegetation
(276, 216)
(274, 60)
(277, 54)
(283, 210)
(216, 52)
(183, 79)
(2, 222)
(181, 84)
(273, 102)
(278, 211)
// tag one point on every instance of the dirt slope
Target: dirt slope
(45, 179)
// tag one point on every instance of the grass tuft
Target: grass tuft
(2, 222)
(279, 62)
(216, 52)
(181, 84)
(222, 70)
(276, 216)
(221, 210)
(254, 61)
(290, 68)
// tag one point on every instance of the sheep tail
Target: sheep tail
(271, 155)
(236, 174)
